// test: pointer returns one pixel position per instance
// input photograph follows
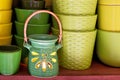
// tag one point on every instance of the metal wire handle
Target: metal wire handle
(42, 11)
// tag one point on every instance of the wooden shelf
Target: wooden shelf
(97, 71)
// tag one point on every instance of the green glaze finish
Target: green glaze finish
(23, 14)
(32, 28)
(43, 52)
(9, 59)
(108, 47)
(38, 72)
(19, 42)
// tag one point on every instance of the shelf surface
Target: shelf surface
(97, 71)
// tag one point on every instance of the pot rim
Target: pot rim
(9, 48)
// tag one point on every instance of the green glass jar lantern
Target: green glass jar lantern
(43, 59)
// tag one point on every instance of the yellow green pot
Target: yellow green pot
(5, 16)
(109, 17)
(108, 47)
(74, 6)
(77, 50)
(76, 22)
(5, 29)
(109, 2)
(5, 4)
(6, 40)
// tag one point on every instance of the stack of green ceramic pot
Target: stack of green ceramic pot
(78, 20)
(5, 22)
(108, 38)
(39, 24)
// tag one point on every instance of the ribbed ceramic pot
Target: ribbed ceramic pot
(5, 4)
(19, 42)
(32, 28)
(77, 50)
(23, 14)
(108, 17)
(5, 16)
(76, 22)
(109, 2)
(74, 6)
(6, 40)
(33, 4)
(10, 57)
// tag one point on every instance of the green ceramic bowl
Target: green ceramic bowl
(23, 14)
(10, 57)
(55, 31)
(32, 29)
(34, 4)
(19, 42)
(108, 47)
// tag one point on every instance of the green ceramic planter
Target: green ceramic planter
(19, 42)
(77, 50)
(6, 40)
(32, 28)
(23, 14)
(74, 6)
(9, 59)
(108, 47)
(33, 4)
(76, 22)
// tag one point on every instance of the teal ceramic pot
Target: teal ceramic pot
(9, 59)
(33, 4)
(43, 60)
(19, 42)
(32, 28)
(23, 14)
(108, 47)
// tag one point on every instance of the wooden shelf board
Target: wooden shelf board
(97, 71)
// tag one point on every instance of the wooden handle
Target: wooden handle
(42, 11)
